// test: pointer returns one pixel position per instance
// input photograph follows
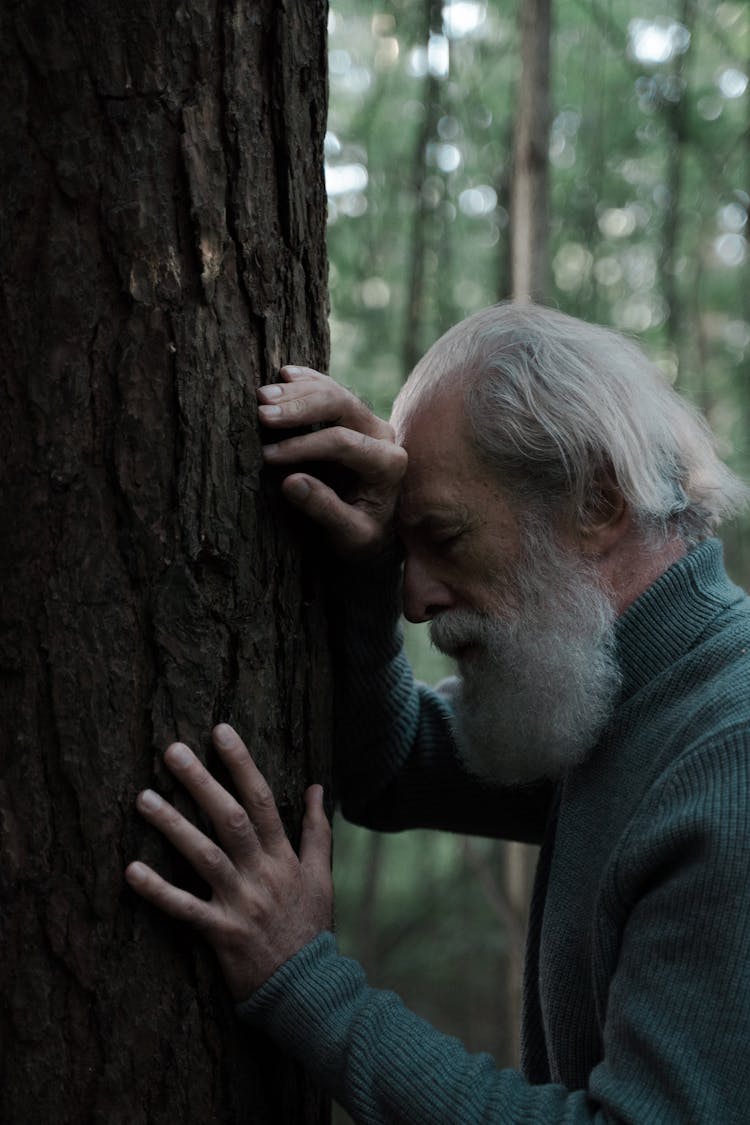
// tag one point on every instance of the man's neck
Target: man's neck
(636, 565)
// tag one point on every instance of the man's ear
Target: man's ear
(608, 516)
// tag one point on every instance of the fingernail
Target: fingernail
(297, 489)
(150, 801)
(224, 735)
(270, 411)
(270, 450)
(136, 872)
(179, 755)
(273, 390)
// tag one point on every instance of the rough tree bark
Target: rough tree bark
(162, 252)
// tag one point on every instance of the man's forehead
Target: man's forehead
(428, 411)
(445, 489)
(439, 477)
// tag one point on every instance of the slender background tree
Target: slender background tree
(529, 200)
(161, 253)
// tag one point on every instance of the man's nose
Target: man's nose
(425, 595)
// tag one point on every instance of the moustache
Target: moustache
(456, 632)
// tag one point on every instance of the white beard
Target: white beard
(538, 688)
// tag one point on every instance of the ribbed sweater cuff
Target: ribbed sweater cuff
(380, 1060)
(295, 1005)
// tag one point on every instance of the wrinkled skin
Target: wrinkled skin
(266, 903)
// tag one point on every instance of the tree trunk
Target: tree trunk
(416, 300)
(530, 189)
(529, 240)
(162, 253)
(676, 113)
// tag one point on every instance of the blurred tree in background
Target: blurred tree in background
(644, 210)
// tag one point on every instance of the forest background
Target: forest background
(648, 165)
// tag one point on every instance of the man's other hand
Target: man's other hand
(266, 903)
(359, 517)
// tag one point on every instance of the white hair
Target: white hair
(557, 408)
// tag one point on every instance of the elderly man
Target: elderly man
(553, 502)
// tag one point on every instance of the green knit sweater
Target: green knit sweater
(637, 989)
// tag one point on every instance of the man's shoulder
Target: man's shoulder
(707, 690)
(686, 690)
(689, 633)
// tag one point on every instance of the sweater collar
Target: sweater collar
(670, 616)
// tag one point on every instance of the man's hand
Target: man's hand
(266, 903)
(360, 521)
